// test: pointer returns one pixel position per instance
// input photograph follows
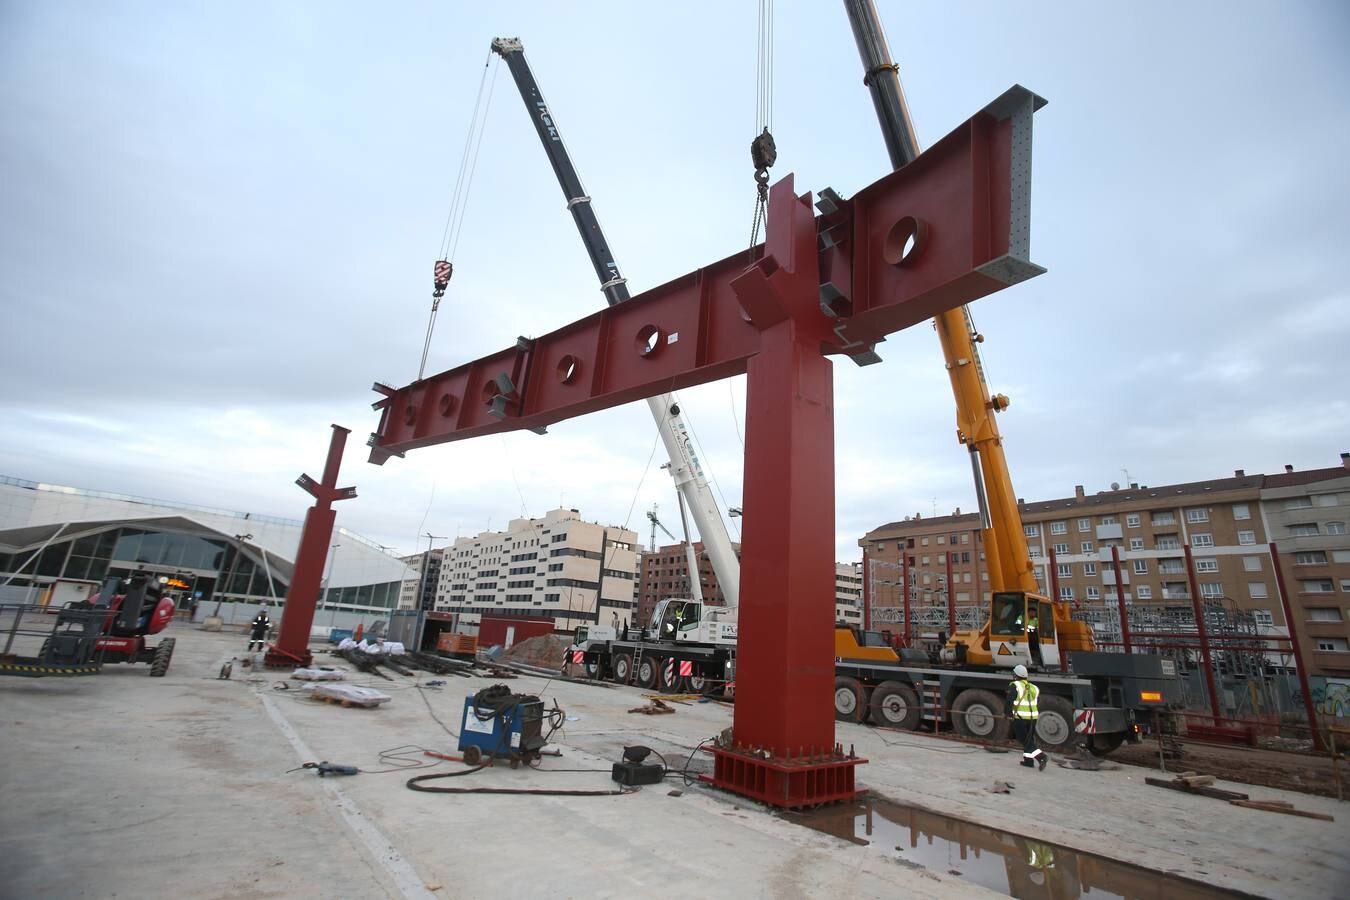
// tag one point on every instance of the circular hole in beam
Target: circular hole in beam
(410, 415)
(447, 404)
(489, 390)
(905, 241)
(568, 368)
(650, 340)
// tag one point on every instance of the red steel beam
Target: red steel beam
(964, 205)
(948, 228)
(1120, 599)
(1202, 632)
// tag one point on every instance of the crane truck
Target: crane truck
(691, 645)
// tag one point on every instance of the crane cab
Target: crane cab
(1023, 629)
(680, 621)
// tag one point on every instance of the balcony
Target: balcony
(1109, 532)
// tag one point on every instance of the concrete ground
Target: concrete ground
(123, 785)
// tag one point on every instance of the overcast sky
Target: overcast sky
(217, 224)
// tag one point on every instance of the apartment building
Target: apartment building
(848, 593)
(558, 567)
(1227, 524)
(665, 573)
(420, 592)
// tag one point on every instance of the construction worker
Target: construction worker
(258, 630)
(1022, 696)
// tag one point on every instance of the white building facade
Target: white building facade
(558, 567)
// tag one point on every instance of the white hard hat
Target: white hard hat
(1020, 671)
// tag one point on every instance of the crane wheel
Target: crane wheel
(981, 714)
(623, 668)
(646, 673)
(1103, 744)
(895, 705)
(163, 653)
(850, 700)
(1054, 724)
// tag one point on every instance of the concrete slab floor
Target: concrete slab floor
(123, 785)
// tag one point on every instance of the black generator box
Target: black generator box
(632, 774)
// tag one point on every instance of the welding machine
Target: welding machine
(502, 724)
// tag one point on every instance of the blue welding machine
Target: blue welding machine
(502, 724)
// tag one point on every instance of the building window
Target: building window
(1263, 617)
(1316, 586)
(1197, 515)
(1324, 614)
(1241, 511)
(1062, 548)
(1143, 592)
(1334, 644)
(1298, 503)
(1162, 518)
(1132, 520)
(1066, 592)
(1136, 543)
(1211, 589)
(881, 545)
(1304, 529)
(1140, 566)
(1167, 542)
(1310, 558)
(1064, 570)
(1032, 530)
(1094, 592)
(1206, 565)
(925, 560)
(1034, 551)
(1084, 524)
(1059, 527)
(1251, 564)
(925, 542)
(1335, 528)
(1327, 500)
(1108, 520)
(1089, 569)
(1246, 537)
(941, 539)
(1202, 540)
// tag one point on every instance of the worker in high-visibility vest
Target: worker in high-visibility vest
(1022, 696)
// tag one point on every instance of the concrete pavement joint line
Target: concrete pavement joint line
(380, 847)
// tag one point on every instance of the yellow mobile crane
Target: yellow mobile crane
(1005, 640)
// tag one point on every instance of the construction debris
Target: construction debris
(1181, 784)
(545, 651)
(1001, 787)
(346, 695)
(1282, 806)
(653, 708)
(319, 673)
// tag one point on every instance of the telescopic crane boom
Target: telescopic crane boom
(1011, 576)
(684, 465)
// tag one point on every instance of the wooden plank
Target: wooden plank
(1214, 793)
(1279, 808)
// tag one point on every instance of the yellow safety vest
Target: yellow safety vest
(1024, 707)
(1033, 623)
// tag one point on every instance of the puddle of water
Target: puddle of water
(1017, 866)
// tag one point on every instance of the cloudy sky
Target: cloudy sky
(217, 223)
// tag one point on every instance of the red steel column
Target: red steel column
(1120, 600)
(292, 646)
(1298, 650)
(904, 576)
(1202, 631)
(785, 662)
(951, 597)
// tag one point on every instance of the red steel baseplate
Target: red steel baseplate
(789, 782)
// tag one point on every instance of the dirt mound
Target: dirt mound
(546, 651)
